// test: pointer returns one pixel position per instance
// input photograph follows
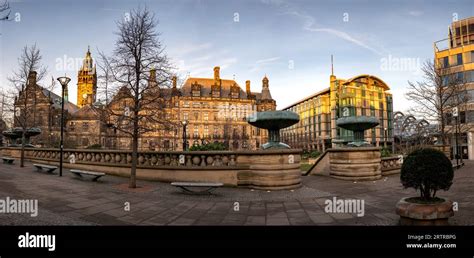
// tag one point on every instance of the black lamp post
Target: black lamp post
(63, 81)
(185, 123)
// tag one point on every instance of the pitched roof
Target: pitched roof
(87, 112)
(68, 106)
(206, 84)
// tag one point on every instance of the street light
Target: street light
(63, 81)
(185, 123)
(385, 136)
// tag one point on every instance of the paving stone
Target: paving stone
(68, 201)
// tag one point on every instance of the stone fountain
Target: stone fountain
(358, 160)
(358, 124)
(17, 133)
(282, 171)
(273, 121)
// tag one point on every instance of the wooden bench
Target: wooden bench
(207, 187)
(80, 173)
(48, 168)
(8, 160)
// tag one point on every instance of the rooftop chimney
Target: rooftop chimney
(216, 73)
(174, 81)
(32, 78)
(247, 86)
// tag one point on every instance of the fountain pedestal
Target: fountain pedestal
(358, 160)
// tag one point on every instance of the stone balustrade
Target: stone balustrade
(269, 169)
(390, 165)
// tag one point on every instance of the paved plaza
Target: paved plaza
(70, 201)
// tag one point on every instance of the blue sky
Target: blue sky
(289, 41)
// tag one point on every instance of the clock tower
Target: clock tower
(86, 82)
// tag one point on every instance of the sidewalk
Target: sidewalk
(70, 201)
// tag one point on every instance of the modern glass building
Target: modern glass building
(455, 57)
(362, 95)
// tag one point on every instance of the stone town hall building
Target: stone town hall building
(215, 110)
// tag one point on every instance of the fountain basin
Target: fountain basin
(273, 121)
(17, 133)
(357, 123)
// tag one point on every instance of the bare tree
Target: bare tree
(29, 60)
(5, 11)
(105, 79)
(435, 95)
(139, 65)
(24, 92)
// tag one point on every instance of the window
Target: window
(444, 80)
(185, 116)
(206, 116)
(186, 104)
(196, 93)
(459, 59)
(206, 131)
(469, 76)
(445, 62)
(196, 115)
(85, 126)
(196, 132)
(472, 56)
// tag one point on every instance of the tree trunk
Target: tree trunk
(22, 156)
(133, 170)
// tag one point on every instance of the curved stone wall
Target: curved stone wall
(361, 163)
(269, 169)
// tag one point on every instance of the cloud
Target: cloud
(263, 62)
(310, 25)
(416, 13)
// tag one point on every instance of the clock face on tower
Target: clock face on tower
(84, 96)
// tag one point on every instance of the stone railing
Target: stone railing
(390, 165)
(269, 169)
(146, 159)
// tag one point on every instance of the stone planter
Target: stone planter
(417, 214)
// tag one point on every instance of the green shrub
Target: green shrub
(314, 154)
(384, 152)
(215, 146)
(427, 170)
(94, 147)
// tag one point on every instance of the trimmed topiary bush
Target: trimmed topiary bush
(427, 170)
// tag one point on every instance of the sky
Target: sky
(289, 41)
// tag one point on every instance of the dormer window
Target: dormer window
(235, 91)
(216, 91)
(196, 89)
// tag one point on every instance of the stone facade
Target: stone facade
(41, 109)
(215, 110)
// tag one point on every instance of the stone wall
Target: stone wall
(361, 163)
(270, 169)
